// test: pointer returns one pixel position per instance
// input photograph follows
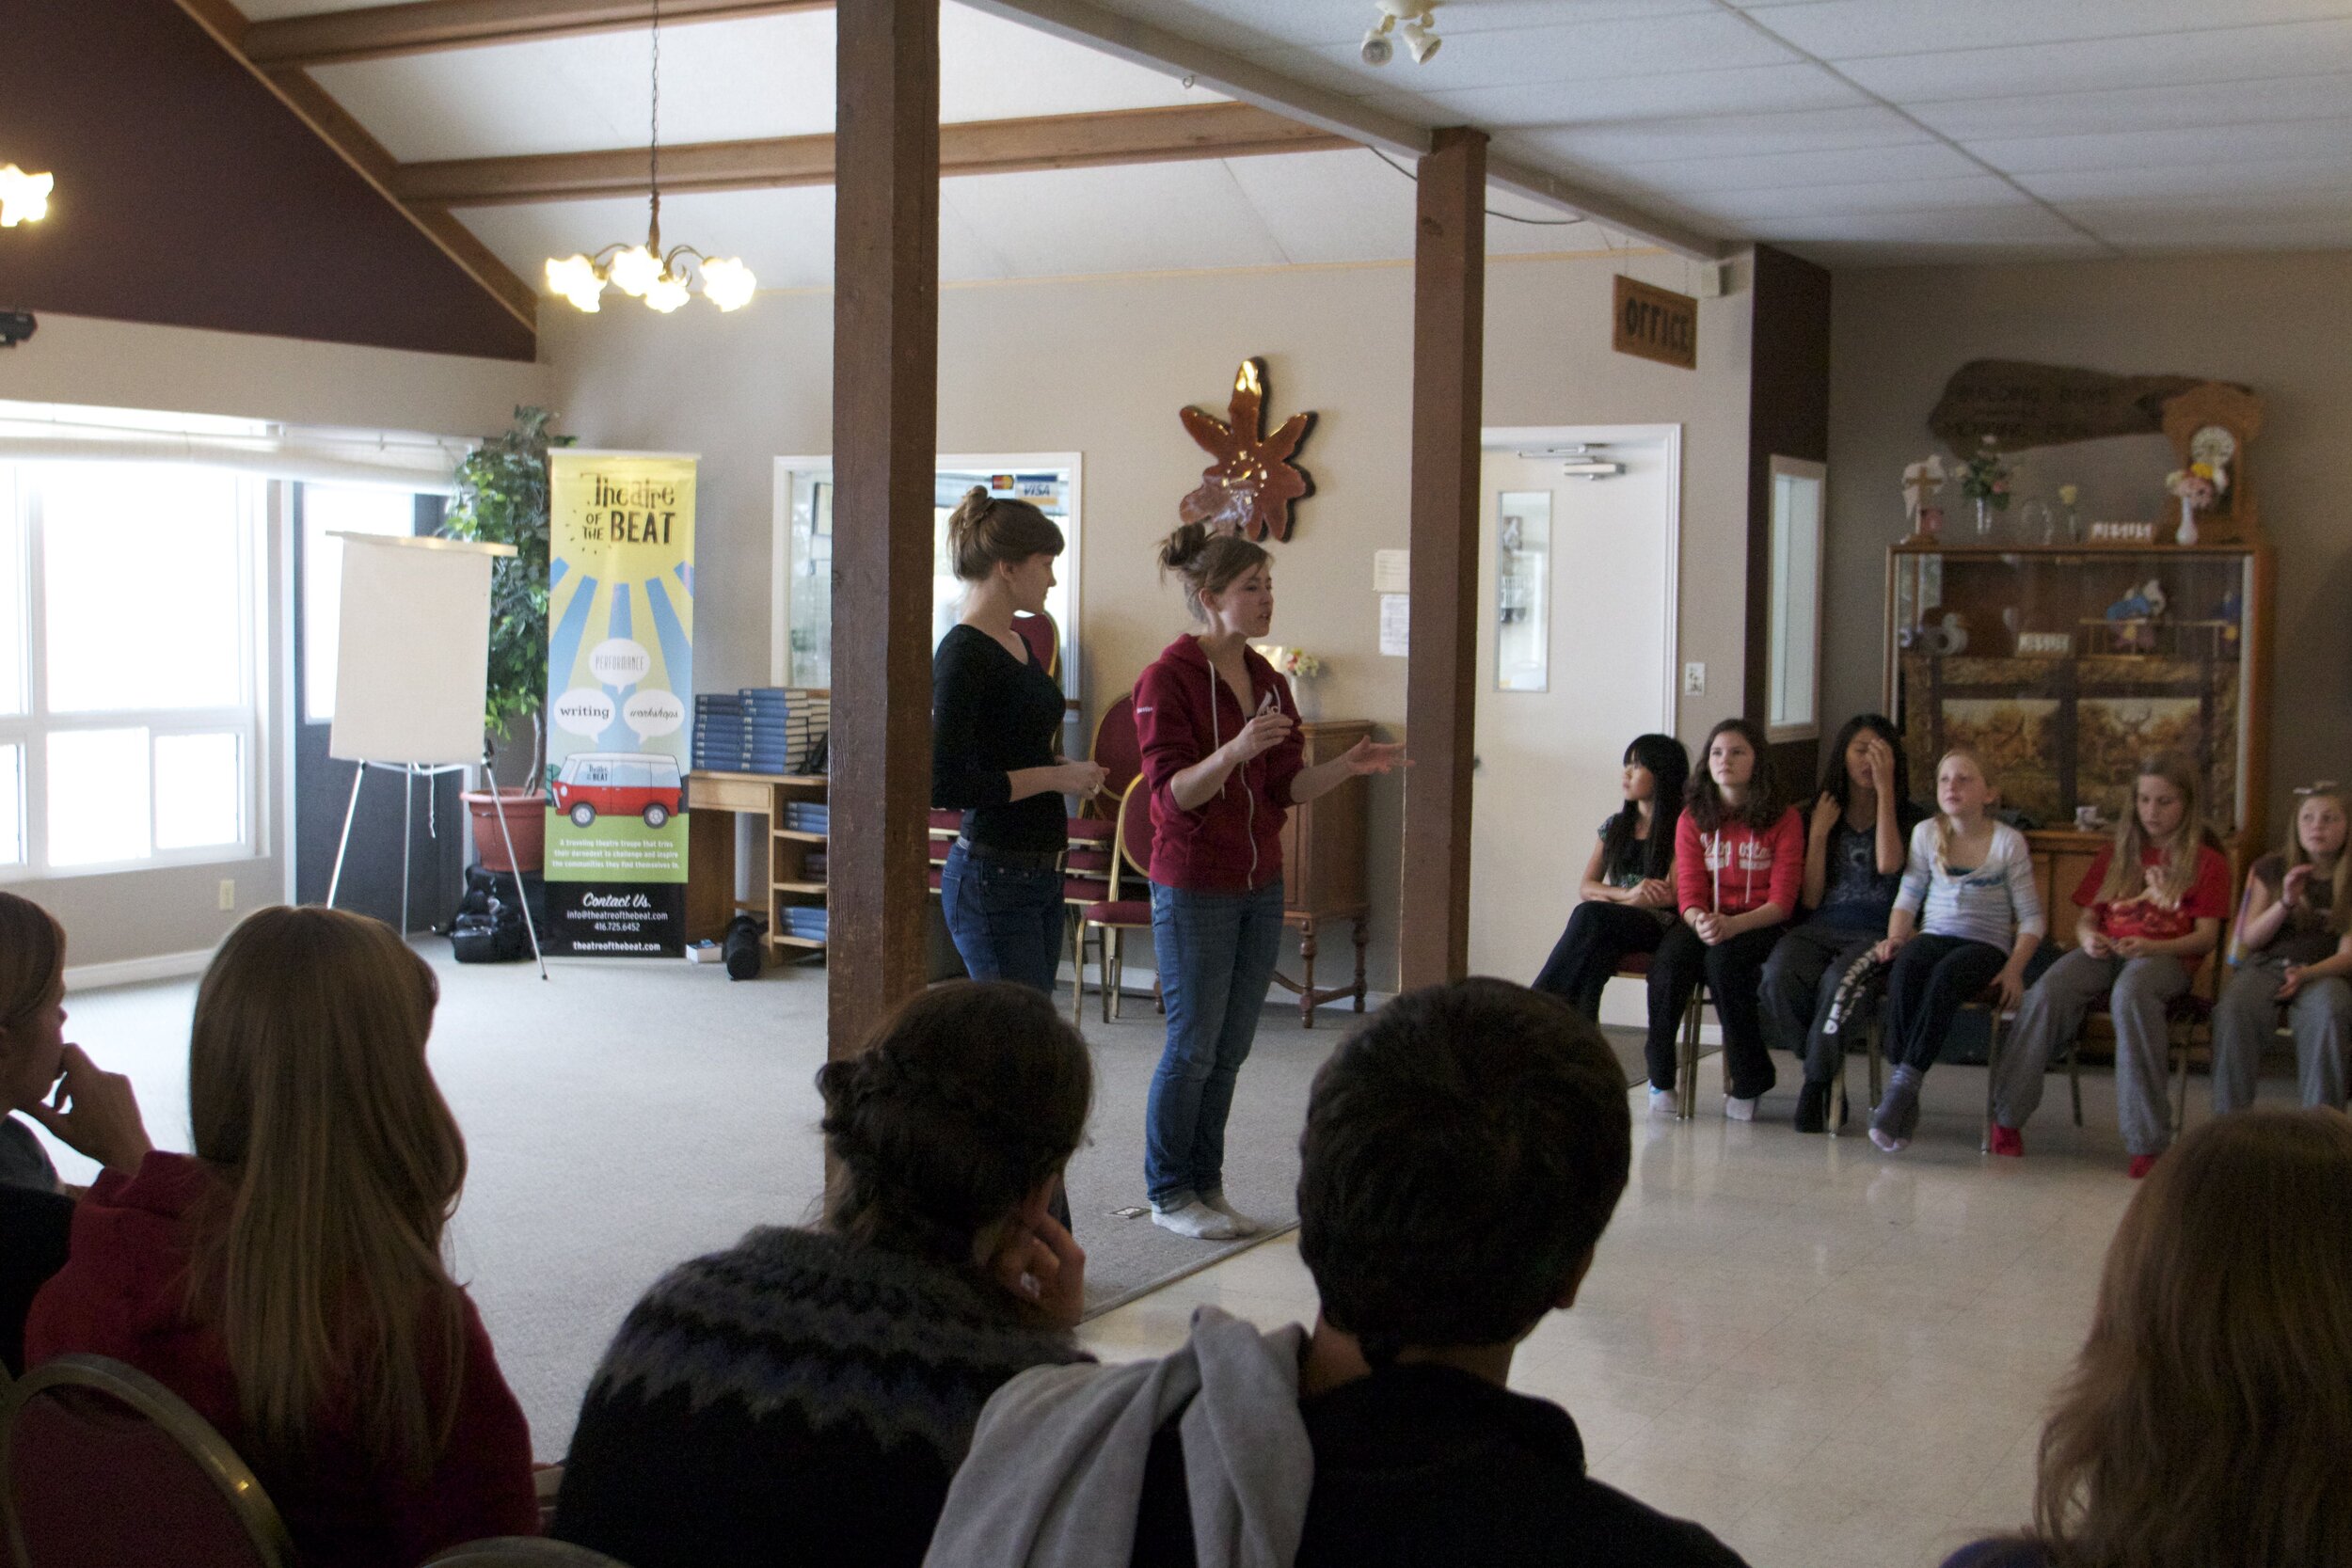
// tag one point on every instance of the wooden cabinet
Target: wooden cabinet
(790, 869)
(1323, 866)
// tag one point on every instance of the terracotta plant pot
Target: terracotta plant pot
(526, 825)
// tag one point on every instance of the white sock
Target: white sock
(1196, 1219)
(1661, 1102)
(1243, 1225)
(1738, 1109)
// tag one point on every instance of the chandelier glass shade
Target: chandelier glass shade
(663, 280)
(24, 198)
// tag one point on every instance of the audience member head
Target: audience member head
(2318, 840)
(1655, 764)
(2162, 815)
(959, 1112)
(308, 1091)
(2209, 1413)
(32, 1000)
(1731, 782)
(1964, 795)
(1845, 763)
(992, 535)
(1464, 1151)
(1223, 574)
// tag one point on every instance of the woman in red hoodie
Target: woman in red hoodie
(1738, 871)
(287, 1279)
(1223, 762)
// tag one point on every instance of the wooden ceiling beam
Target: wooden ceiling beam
(379, 32)
(972, 146)
(373, 163)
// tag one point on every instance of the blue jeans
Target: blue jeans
(1216, 953)
(1009, 921)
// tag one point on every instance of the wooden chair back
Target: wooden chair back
(1135, 837)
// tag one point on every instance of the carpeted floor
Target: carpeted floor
(626, 1116)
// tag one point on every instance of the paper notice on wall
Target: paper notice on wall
(1396, 623)
(1392, 570)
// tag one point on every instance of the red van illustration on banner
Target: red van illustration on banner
(619, 784)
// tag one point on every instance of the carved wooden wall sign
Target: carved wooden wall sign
(1251, 487)
(2021, 403)
(1655, 323)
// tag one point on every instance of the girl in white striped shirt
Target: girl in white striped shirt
(1968, 891)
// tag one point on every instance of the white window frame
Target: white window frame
(31, 729)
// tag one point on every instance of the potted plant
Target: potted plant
(503, 499)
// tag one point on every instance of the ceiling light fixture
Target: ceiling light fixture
(1412, 22)
(664, 281)
(24, 198)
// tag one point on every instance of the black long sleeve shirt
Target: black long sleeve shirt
(991, 715)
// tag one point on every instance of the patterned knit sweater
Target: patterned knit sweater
(800, 1400)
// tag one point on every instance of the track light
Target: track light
(1412, 22)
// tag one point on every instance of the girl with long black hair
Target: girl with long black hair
(1627, 891)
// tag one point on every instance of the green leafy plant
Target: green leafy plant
(503, 499)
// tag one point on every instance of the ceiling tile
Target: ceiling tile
(1750, 89)
(2237, 185)
(1856, 255)
(2174, 233)
(1143, 217)
(1628, 143)
(2181, 149)
(1856, 29)
(1775, 170)
(2122, 109)
(1980, 226)
(1244, 23)
(1964, 191)
(1577, 52)
(2228, 55)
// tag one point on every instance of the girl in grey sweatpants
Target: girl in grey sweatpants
(2296, 957)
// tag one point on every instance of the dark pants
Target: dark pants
(1598, 937)
(1009, 921)
(1931, 979)
(1801, 981)
(1734, 972)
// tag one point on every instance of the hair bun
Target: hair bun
(1183, 547)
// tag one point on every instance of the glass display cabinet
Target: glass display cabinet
(2064, 664)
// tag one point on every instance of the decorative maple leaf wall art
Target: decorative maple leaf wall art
(1251, 487)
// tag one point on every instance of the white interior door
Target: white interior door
(1581, 667)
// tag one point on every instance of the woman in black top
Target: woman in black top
(995, 717)
(1628, 889)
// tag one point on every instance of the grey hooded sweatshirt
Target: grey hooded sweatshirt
(1055, 1475)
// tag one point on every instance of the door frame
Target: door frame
(1508, 437)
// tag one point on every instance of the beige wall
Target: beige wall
(1101, 367)
(2275, 322)
(126, 918)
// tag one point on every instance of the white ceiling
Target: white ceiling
(1853, 131)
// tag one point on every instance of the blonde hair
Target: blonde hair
(1944, 828)
(32, 959)
(2124, 878)
(308, 1090)
(2340, 880)
(985, 530)
(2207, 1418)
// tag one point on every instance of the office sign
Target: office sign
(620, 686)
(1655, 323)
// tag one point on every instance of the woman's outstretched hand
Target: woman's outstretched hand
(1370, 757)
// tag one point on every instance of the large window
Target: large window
(128, 615)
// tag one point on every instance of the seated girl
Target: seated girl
(2297, 950)
(1967, 917)
(2208, 1416)
(1821, 974)
(1627, 892)
(2152, 908)
(1738, 866)
(287, 1279)
(804, 1397)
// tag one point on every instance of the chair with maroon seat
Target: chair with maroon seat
(1118, 749)
(1122, 911)
(1045, 640)
(102, 1466)
(1085, 880)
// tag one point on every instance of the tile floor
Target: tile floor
(1827, 1356)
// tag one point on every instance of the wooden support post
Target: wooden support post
(1441, 683)
(885, 401)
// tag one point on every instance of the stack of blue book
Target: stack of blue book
(773, 742)
(718, 732)
(803, 920)
(807, 817)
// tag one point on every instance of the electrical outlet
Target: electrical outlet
(1694, 679)
(227, 892)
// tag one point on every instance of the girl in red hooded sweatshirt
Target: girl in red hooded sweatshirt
(1739, 872)
(1223, 763)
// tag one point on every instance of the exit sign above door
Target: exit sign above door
(1655, 323)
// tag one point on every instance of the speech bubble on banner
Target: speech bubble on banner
(619, 661)
(584, 710)
(653, 713)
